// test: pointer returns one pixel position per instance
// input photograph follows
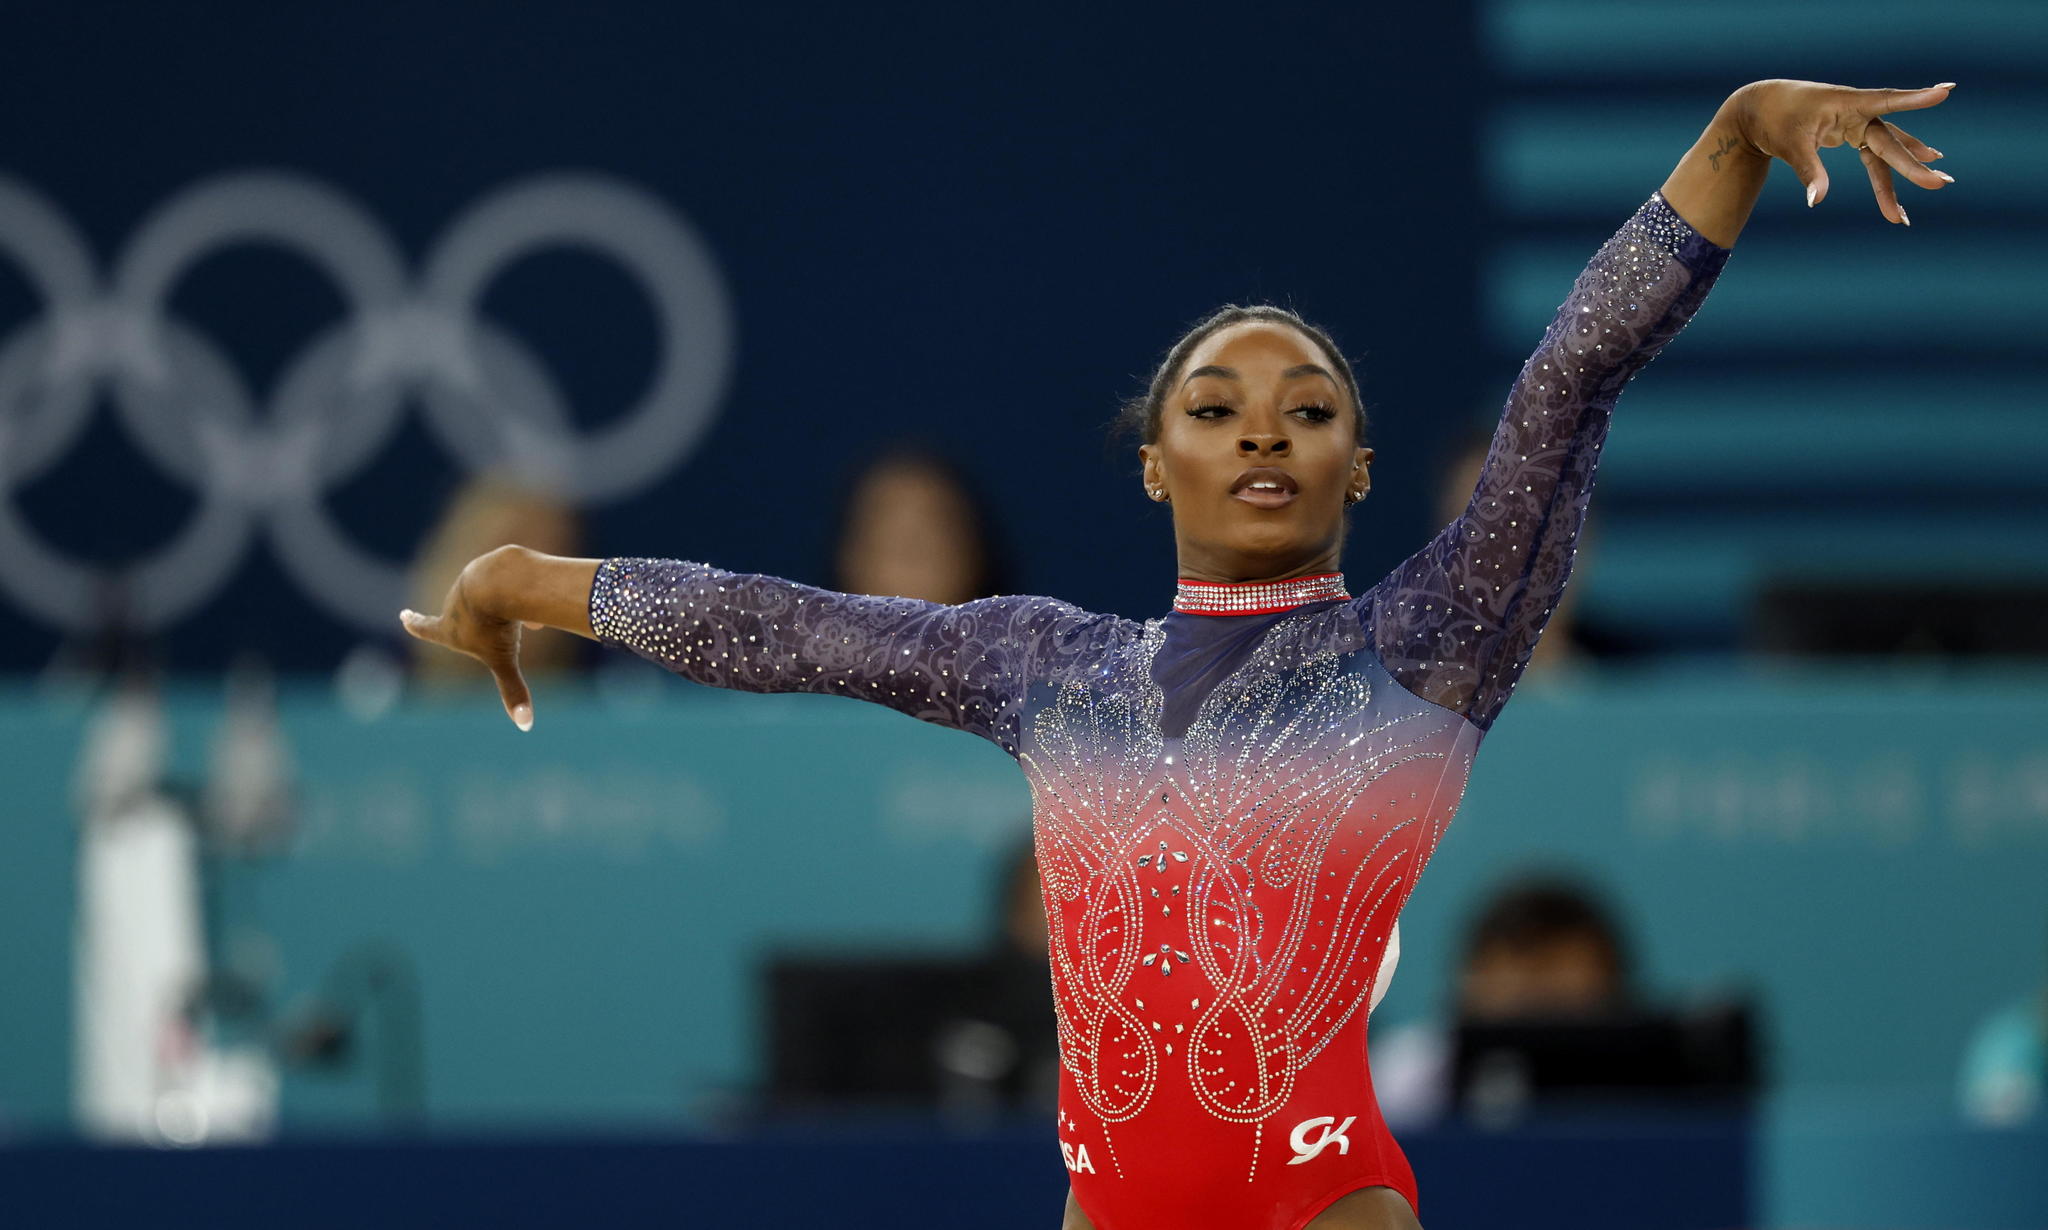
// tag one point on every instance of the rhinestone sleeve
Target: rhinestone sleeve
(1457, 621)
(964, 666)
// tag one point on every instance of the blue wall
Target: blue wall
(960, 225)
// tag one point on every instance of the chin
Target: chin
(1281, 544)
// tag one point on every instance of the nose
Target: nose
(1253, 443)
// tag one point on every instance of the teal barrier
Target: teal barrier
(585, 904)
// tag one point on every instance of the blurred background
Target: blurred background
(1744, 918)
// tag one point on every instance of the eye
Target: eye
(1315, 412)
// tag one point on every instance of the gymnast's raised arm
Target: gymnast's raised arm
(1457, 621)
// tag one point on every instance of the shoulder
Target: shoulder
(1045, 627)
(1038, 614)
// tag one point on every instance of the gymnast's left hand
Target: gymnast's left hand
(1791, 120)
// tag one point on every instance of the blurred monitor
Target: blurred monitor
(1951, 619)
(852, 1031)
(1633, 1055)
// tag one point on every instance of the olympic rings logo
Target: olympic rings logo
(402, 342)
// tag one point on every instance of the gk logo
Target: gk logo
(1306, 1151)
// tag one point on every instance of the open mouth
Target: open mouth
(1265, 487)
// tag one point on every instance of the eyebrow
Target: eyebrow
(1230, 373)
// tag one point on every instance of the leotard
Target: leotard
(1229, 809)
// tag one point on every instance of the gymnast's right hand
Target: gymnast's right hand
(466, 624)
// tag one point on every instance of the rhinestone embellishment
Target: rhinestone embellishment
(1258, 597)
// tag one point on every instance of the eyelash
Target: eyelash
(1323, 413)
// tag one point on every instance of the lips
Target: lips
(1265, 487)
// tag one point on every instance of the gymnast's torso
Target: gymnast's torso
(1222, 876)
(1231, 801)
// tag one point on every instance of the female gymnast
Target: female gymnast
(1232, 802)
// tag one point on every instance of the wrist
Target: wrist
(519, 583)
(491, 581)
(1736, 120)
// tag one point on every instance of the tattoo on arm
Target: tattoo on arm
(1714, 155)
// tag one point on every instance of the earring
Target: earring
(1156, 493)
(1352, 497)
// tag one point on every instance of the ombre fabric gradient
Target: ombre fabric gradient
(1230, 811)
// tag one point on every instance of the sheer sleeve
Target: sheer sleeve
(964, 666)
(1456, 622)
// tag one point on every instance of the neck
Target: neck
(1252, 570)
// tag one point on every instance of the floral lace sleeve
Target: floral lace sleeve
(964, 666)
(1457, 621)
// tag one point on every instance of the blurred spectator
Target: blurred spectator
(1547, 1008)
(910, 527)
(1541, 946)
(1544, 947)
(487, 512)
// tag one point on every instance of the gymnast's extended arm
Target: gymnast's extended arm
(963, 666)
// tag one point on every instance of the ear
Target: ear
(1361, 466)
(1151, 465)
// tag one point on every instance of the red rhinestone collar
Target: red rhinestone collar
(1258, 597)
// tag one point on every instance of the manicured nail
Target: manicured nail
(1809, 196)
(1902, 216)
(522, 716)
(1944, 175)
(1946, 85)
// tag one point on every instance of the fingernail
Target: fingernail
(1902, 216)
(522, 716)
(1944, 175)
(1946, 85)
(1809, 196)
(1939, 154)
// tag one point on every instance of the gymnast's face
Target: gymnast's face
(1257, 396)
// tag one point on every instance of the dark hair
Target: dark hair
(1140, 415)
(1543, 908)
